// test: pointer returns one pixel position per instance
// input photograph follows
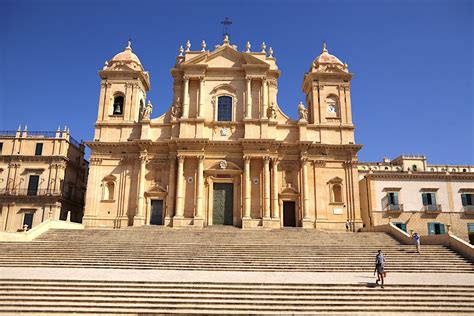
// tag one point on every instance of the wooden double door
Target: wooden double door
(223, 204)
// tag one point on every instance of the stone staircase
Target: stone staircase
(48, 297)
(226, 249)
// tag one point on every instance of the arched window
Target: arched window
(337, 193)
(413, 168)
(118, 105)
(224, 109)
(109, 191)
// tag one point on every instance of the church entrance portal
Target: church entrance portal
(222, 212)
(289, 214)
(156, 217)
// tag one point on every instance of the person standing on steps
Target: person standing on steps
(380, 268)
(416, 239)
(347, 225)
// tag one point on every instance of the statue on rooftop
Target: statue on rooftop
(302, 111)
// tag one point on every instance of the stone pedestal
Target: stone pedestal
(138, 220)
(246, 222)
(267, 222)
(198, 222)
(307, 223)
(178, 221)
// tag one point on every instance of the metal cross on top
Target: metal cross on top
(226, 24)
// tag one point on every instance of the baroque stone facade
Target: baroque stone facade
(43, 175)
(224, 152)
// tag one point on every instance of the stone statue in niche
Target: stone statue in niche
(224, 131)
(271, 112)
(176, 109)
(147, 111)
(302, 111)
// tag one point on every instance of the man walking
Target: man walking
(379, 268)
(416, 239)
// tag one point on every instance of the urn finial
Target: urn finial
(264, 47)
(188, 45)
(247, 47)
(203, 46)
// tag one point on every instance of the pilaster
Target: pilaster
(139, 218)
(179, 213)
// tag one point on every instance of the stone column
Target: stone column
(200, 188)
(186, 97)
(248, 184)
(179, 189)
(139, 218)
(265, 98)
(171, 187)
(275, 205)
(248, 112)
(201, 97)
(266, 187)
(304, 162)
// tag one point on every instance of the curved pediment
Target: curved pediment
(335, 180)
(156, 188)
(225, 165)
(289, 190)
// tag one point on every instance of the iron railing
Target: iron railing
(74, 142)
(468, 208)
(432, 208)
(8, 133)
(394, 208)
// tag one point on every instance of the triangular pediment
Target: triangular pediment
(224, 57)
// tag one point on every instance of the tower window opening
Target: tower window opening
(118, 105)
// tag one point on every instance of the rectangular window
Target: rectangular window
(435, 228)
(470, 231)
(428, 198)
(392, 198)
(28, 220)
(402, 226)
(467, 199)
(39, 149)
(33, 185)
(1, 148)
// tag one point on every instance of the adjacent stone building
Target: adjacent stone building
(417, 196)
(223, 153)
(43, 175)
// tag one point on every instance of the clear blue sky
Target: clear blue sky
(412, 91)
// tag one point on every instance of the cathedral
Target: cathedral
(224, 153)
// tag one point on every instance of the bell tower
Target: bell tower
(327, 90)
(124, 84)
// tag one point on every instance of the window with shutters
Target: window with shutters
(401, 226)
(436, 229)
(470, 231)
(467, 200)
(429, 198)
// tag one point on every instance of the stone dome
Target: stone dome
(326, 59)
(127, 57)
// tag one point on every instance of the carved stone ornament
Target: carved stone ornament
(302, 111)
(176, 109)
(224, 131)
(223, 164)
(147, 112)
